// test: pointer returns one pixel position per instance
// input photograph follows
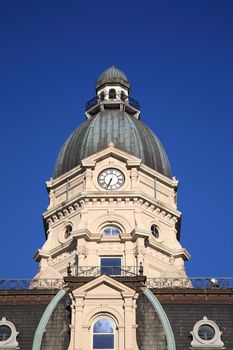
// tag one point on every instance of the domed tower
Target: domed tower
(112, 208)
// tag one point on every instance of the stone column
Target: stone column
(78, 343)
(128, 324)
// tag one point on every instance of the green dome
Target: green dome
(126, 132)
(112, 75)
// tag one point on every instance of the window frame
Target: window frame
(107, 317)
(11, 341)
(199, 342)
(111, 257)
(69, 233)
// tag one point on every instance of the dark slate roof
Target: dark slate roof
(150, 333)
(126, 132)
(184, 317)
(112, 75)
(25, 309)
(184, 308)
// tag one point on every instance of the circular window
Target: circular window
(111, 231)
(154, 231)
(68, 231)
(5, 333)
(206, 332)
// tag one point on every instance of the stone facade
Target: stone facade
(146, 198)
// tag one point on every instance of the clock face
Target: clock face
(111, 179)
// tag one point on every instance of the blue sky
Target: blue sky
(178, 57)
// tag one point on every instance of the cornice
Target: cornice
(40, 253)
(89, 199)
(176, 253)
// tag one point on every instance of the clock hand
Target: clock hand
(109, 183)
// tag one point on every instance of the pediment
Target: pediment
(104, 286)
(114, 152)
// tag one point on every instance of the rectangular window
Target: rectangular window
(110, 266)
(103, 341)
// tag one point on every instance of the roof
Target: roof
(126, 132)
(112, 75)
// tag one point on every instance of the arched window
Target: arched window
(154, 231)
(112, 93)
(68, 231)
(103, 336)
(110, 231)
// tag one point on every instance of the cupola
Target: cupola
(112, 116)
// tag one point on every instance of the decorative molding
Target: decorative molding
(82, 251)
(62, 256)
(109, 246)
(139, 251)
(58, 214)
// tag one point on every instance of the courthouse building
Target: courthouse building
(111, 271)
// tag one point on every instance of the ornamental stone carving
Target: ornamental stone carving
(82, 251)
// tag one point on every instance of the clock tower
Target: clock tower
(112, 199)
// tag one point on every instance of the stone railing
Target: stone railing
(23, 284)
(192, 282)
(128, 271)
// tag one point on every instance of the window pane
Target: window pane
(106, 231)
(5, 333)
(110, 266)
(103, 341)
(154, 231)
(111, 261)
(68, 231)
(206, 332)
(115, 231)
(103, 326)
(111, 231)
